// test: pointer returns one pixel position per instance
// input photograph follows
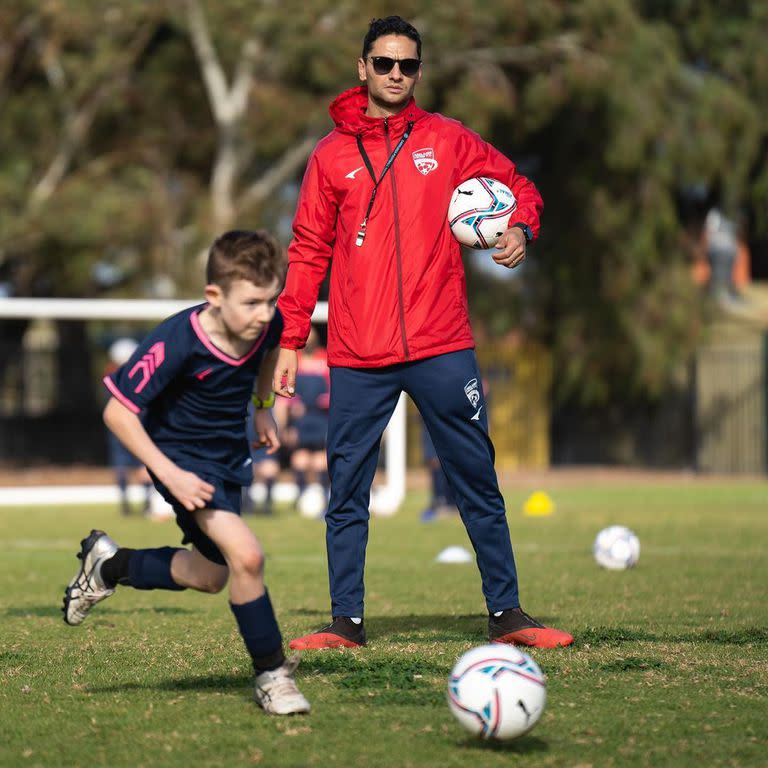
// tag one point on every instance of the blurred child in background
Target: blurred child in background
(126, 467)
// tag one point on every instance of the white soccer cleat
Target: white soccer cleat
(88, 588)
(276, 691)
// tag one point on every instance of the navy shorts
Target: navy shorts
(119, 456)
(227, 496)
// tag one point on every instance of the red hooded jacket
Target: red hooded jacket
(402, 294)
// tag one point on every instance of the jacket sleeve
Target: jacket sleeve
(309, 254)
(475, 157)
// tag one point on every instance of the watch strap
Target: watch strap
(261, 404)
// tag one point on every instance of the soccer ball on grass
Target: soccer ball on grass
(496, 691)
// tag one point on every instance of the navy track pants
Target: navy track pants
(448, 392)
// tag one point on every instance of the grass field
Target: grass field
(668, 668)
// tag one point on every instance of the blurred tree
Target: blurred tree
(727, 42)
(621, 127)
(132, 132)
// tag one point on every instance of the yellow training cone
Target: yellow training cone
(538, 504)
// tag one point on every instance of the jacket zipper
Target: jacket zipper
(401, 304)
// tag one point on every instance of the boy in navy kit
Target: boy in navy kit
(192, 379)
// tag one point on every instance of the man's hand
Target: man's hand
(266, 430)
(188, 488)
(284, 383)
(511, 248)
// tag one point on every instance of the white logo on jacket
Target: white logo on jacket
(424, 160)
(351, 174)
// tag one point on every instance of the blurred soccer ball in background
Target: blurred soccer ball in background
(616, 548)
(312, 503)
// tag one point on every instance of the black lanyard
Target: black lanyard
(387, 166)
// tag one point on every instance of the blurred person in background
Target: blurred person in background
(722, 249)
(266, 465)
(306, 432)
(126, 467)
(442, 503)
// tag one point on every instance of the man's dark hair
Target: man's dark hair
(244, 255)
(391, 25)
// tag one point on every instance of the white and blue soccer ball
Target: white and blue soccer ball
(479, 211)
(497, 692)
(616, 548)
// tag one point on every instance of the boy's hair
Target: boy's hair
(391, 25)
(245, 255)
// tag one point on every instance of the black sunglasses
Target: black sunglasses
(383, 65)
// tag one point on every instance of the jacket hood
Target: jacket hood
(348, 112)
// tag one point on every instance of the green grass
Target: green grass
(668, 669)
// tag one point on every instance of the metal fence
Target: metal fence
(717, 422)
(730, 396)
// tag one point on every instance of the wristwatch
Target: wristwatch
(527, 231)
(260, 404)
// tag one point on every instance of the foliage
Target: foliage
(117, 150)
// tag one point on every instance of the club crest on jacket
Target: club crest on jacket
(424, 160)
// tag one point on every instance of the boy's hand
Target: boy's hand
(266, 430)
(285, 372)
(189, 489)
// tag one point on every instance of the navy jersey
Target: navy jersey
(193, 396)
(312, 389)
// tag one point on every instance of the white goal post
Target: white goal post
(386, 497)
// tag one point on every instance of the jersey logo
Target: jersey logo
(476, 417)
(148, 364)
(424, 160)
(200, 376)
(351, 174)
(472, 391)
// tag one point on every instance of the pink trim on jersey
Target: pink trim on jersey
(110, 385)
(216, 352)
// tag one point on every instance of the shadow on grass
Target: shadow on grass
(307, 612)
(633, 664)
(55, 610)
(376, 680)
(436, 628)
(521, 746)
(224, 683)
(607, 636)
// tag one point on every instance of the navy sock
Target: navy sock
(442, 489)
(116, 570)
(269, 485)
(151, 569)
(301, 481)
(147, 496)
(438, 490)
(261, 635)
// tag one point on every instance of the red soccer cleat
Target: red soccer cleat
(516, 627)
(342, 632)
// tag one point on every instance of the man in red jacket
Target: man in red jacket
(374, 201)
